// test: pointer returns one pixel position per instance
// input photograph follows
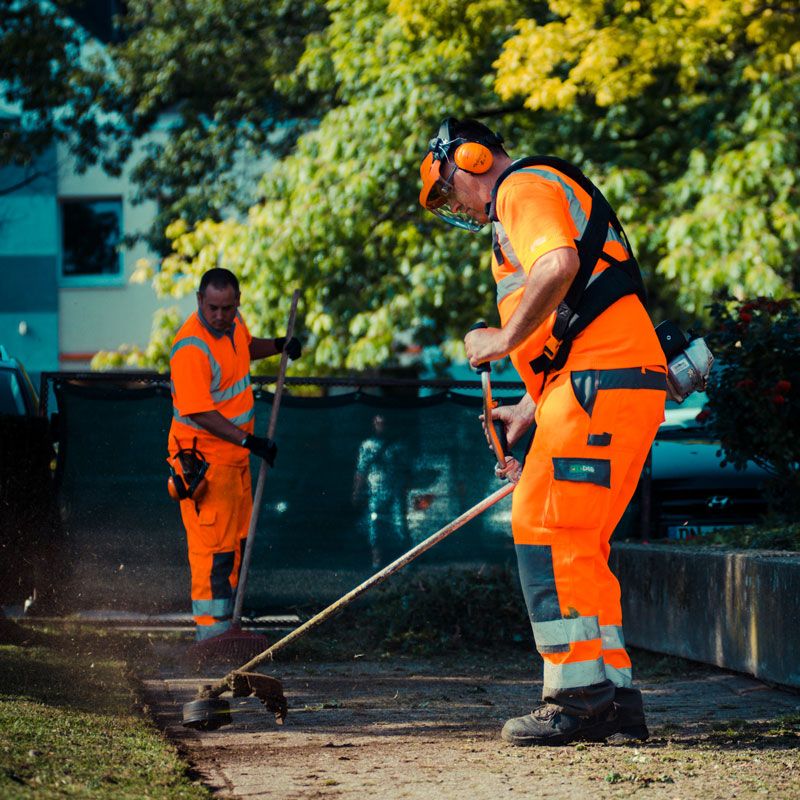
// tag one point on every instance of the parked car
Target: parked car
(17, 396)
(692, 492)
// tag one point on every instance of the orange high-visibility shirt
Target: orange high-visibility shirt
(211, 372)
(539, 210)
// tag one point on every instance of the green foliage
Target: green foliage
(46, 77)
(212, 80)
(754, 390)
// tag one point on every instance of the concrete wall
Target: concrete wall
(738, 610)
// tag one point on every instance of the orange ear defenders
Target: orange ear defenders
(472, 155)
(190, 482)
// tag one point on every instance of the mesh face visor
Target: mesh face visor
(435, 194)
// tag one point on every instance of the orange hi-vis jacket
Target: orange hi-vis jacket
(539, 210)
(210, 371)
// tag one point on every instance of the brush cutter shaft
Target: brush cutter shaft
(263, 469)
(377, 578)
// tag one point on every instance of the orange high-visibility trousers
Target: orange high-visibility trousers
(594, 431)
(216, 533)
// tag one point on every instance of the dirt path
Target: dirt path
(430, 729)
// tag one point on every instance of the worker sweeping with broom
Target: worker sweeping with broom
(210, 442)
(573, 321)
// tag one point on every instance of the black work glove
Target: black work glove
(292, 347)
(262, 447)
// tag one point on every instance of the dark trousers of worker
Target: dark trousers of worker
(216, 532)
(594, 431)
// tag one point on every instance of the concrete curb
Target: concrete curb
(737, 609)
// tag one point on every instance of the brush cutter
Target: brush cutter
(236, 644)
(210, 711)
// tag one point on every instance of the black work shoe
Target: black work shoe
(630, 712)
(551, 725)
(628, 709)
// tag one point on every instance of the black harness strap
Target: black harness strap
(582, 305)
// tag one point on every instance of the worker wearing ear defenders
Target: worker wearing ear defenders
(211, 439)
(574, 323)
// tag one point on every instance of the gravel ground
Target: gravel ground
(429, 728)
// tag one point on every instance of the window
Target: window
(91, 231)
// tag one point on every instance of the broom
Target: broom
(236, 643)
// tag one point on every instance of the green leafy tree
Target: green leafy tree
(209, 83)
(50, 84)
(701, 108)
(681, 111)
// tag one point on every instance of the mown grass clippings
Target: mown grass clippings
(70, 725)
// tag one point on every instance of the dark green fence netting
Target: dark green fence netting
(126, 545)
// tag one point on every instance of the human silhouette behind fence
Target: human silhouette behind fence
(380, 489)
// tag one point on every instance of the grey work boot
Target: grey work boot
(549, 724)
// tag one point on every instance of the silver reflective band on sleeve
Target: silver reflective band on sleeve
(221, 395)
(565, 631)
(509, 284)
(612, 636)
(573, 675)
(622, 677)
(193, 341)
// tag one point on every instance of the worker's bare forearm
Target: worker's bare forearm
(547, 285)
(216, 424)
(262, 348)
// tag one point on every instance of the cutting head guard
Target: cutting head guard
(460, 144)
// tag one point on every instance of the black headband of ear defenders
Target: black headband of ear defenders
(472, 131)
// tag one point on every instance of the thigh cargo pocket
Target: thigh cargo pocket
(579, 492)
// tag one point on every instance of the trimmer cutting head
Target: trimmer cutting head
(209, 712)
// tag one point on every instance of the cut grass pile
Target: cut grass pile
(70, 725)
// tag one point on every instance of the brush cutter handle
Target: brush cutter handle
(396, 565)
(495, 431)
(262, 471)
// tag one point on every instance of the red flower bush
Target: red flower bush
(754, 405)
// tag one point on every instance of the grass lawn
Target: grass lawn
(70, 725)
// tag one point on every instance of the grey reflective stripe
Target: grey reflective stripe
(575, 208)
(242, 418)
(508, 250)
(612, 636)
(220, 395)
(238, 420)
(565, 631)
(221, 608)
(509, 284)
(207, 631)
(583, 470)
(193, 341)
(573, 675)
(620, 677)
(185, 420)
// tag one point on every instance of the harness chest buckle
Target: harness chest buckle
(551, 347)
